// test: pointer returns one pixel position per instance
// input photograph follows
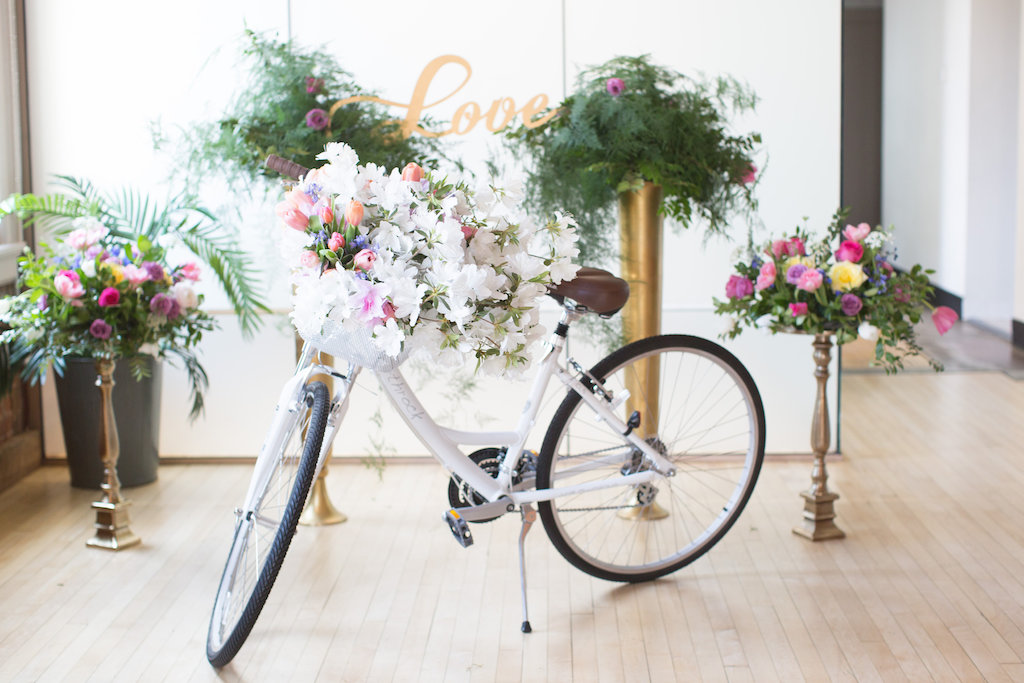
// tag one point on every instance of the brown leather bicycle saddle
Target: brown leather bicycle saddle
(597, 289)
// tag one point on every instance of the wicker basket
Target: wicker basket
(352, 344)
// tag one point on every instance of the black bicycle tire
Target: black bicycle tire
(286, 531)
(565, 411)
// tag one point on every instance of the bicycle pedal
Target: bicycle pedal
(459, 527)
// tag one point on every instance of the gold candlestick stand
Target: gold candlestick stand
(319, 510)
(640, 235)
(112, 519)
(819, 511)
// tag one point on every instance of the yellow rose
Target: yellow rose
(846, 276)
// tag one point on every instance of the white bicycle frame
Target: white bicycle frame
(444, 443)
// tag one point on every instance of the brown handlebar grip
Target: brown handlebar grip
(285, 167)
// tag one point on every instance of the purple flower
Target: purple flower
(100, 329)
(314, 85)
(316, 119)
(851, 304)
(794, 273)
(615, 86)
(43, 302)
(155, 270)
(161, 304)
(738, 287)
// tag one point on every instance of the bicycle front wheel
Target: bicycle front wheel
(264, 532)
(699, 407)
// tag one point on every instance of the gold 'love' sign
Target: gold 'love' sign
(467, 116)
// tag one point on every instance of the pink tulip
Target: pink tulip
(944, 317)
(335, 242)
(292, 217)
(354, 213)
(797, 309)
(413, 172)
(857, 233)
(850, 251)
(301, 201)
(364, 259)
(324, 211)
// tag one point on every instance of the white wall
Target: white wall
(120, 66)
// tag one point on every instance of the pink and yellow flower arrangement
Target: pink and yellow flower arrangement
(846, 284)
(100, 295)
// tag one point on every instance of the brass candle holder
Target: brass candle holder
(819, 503)
(112, 518)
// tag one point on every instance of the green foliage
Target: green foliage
(663, 127)
(131, 215)
(864, 296)
(283, 83)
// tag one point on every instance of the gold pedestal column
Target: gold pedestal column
(112, 519)
(640, 233)
(319, 510)
(640, 236)
(819, 511)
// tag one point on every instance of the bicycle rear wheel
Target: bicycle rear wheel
(700, 408)
(263, 533)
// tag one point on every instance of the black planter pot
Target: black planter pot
(136, 411)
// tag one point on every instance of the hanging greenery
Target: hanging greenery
(630, 121)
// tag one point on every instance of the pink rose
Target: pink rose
(364, 259)
(109, 297)
(738, 287)
(780, 248)
(850, 251)
(336, 242)
(943, 317)
(190, 271)
(750, 176)
(766, 276)
(68, 284)
(796, 247)
(354, 213)
(810, 280)
(413, 172)
(857, 233)
(309, 259)
(797, 309)
(135, 275)
(292, 217)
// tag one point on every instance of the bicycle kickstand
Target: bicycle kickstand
(529, 517)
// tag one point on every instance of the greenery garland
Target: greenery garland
(629, 121)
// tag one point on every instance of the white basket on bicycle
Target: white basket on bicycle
(353, 343)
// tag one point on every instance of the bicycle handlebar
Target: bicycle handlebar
(285, 167)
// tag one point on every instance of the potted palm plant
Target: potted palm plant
(104, 289)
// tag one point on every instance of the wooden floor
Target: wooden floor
(928, 584)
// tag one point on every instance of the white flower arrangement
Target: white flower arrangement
(419, 264)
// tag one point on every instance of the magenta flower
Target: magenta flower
(750, 176)
(738, 287)
(850, 251)
(797, 309)
(851, 304)
(100, 329)
(314, 85)
(615, 86)
(944, 317)
(317, 119)
(109, 297)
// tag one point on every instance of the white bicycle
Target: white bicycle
(648, 461)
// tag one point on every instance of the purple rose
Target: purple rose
(316, 119)
(794, 273)
(100, 329)
(155, 270)
(738, 287)
(615, 86)
(161, 304)
(851, 304)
